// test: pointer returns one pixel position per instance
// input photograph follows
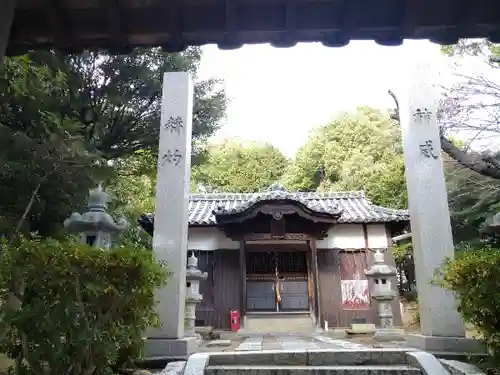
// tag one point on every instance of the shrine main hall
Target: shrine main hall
(279, 254)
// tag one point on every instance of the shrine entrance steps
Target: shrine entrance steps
(316, 362)
(278, 323)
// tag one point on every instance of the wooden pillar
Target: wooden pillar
(243, 280)
(7, 8)
(315, 274)
(365, 234)
(310, 286)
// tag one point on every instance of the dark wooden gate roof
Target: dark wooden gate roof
(174, 24)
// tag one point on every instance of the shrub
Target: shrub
(474, 277)
(75, 308)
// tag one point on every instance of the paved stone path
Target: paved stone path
(294, 342)
(251, 343)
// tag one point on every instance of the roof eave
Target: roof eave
(154, 23)
(224, 217)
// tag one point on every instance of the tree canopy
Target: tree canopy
(121, 94)
(68, 122)
(471, 108)
(239, 167)
(358, 150)
(474, 199)
(43, 158)
(472, 47)
(470, 111)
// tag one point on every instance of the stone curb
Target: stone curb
(429, 364)
(426, 362)
(461, 368)
(197, 363)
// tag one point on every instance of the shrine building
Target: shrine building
(280, 254)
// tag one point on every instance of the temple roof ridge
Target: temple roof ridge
(353, 206)
(300, 194)
(276, 193)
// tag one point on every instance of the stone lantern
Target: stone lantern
(382, 292)
(95, 226)
(494, 225)
(193, 296)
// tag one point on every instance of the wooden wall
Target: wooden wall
(329, 268)
(221, 290)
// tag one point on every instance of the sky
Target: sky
(279, 95)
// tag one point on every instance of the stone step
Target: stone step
(296, 323)
(321, 357)
(312, 370)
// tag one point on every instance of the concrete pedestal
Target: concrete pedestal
(445, 345)
(360, 329)
(389, 334)
(169, 349)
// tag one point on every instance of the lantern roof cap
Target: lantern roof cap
(379, 268)
(96, 218)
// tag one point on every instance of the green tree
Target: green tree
(472, 176)
(133, 188)
(470, 109)
(67, 122)
(133, 193)
(42, 165)
(359, 150)
(472, 47)
(240, 167)
(473, 200)
(119, 98)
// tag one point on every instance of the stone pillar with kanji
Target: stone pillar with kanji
(442, 328)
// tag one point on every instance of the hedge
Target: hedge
(72, 309)
(474, 277)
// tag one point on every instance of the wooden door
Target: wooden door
(261, 296)
(292, 275)
(294, 295)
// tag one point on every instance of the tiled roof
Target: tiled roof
(353, 206)
(278, 193)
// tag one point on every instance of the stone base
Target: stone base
(243, 324)
(219, 343)
(389, 334)
(445, 345)
(195, 335)
(338, 333)
(461, 368)
(174, 368)
(360, 329)
(156, 349)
